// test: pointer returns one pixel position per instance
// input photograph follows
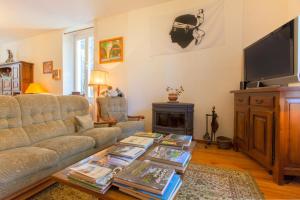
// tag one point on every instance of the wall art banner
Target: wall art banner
(188, 30)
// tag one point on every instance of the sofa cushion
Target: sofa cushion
(41, 116)
(72, 106)
(66, 146)
(113, 108)
(20, 162)
(104, 136)
(130, 127)
(11, 133)
(84, 122)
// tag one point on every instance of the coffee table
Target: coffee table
(113, 193)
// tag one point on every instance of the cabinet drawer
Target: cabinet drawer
(267, 101)
(241, 100)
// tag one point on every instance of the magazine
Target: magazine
(127, 151)
(178, 138)
(90, 172)
(155, 136)
(119, 161)
(169, 194)
(169, 155)
(146, 175)
(142, 142)
(179, 141)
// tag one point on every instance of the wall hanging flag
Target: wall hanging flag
(188, 30)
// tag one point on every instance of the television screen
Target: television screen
(272, 56)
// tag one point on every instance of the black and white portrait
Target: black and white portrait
(187, 28)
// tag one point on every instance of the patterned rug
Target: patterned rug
(199, 182)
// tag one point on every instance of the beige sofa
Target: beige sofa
(38, 137)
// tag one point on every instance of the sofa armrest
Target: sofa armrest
(105, 123)
(136, 118)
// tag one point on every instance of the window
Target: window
(84, 61)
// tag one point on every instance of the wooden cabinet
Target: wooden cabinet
(267, 128)
(241, 128)
(15, 77)
(261, 136)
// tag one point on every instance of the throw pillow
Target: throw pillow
(84, 122)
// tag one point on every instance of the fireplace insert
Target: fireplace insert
(174, 118)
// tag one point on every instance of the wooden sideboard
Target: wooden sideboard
(15, 77)
(267, 128)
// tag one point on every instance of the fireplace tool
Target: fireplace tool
(214, 127)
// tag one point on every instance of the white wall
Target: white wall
(262, 17)
(207, 75)
(45, 47)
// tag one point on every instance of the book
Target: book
(90, 172)
(99, 182)
(169, 194)
(169, 155)
(178, 169)
(119, 160)
(146, 176)
(155, 136)
(127, 151)
(142, 142)
(173, 144)
(90, 186)
(177, 140)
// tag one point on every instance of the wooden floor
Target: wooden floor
(236, 160)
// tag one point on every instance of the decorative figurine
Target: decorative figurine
(110, 92)
(10, 58)
(174, 93)
(214, 127)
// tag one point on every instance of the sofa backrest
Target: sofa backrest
(12, 134)
(72, 106)
(113, 107)
(41, 116)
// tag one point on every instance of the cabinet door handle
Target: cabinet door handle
(240, 100)
(259, 101)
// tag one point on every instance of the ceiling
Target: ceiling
(24, 18)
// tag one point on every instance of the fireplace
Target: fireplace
(174, 118)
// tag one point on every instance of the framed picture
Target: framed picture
(47, 67)
(111, 50)
(56, 74)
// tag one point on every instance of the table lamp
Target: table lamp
(35, 88)
(98, 78)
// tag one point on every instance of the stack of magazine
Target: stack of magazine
(142, 142)
(176, 158)
(177, 141)
(123, 155)
(156, 136)
(91, 176)
(148, 180)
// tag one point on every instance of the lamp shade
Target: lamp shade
(98, 77)
(35, 88)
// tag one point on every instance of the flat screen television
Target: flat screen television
(274, 58)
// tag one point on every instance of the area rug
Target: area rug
(199, 182)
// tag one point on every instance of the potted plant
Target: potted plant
(174, 93)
